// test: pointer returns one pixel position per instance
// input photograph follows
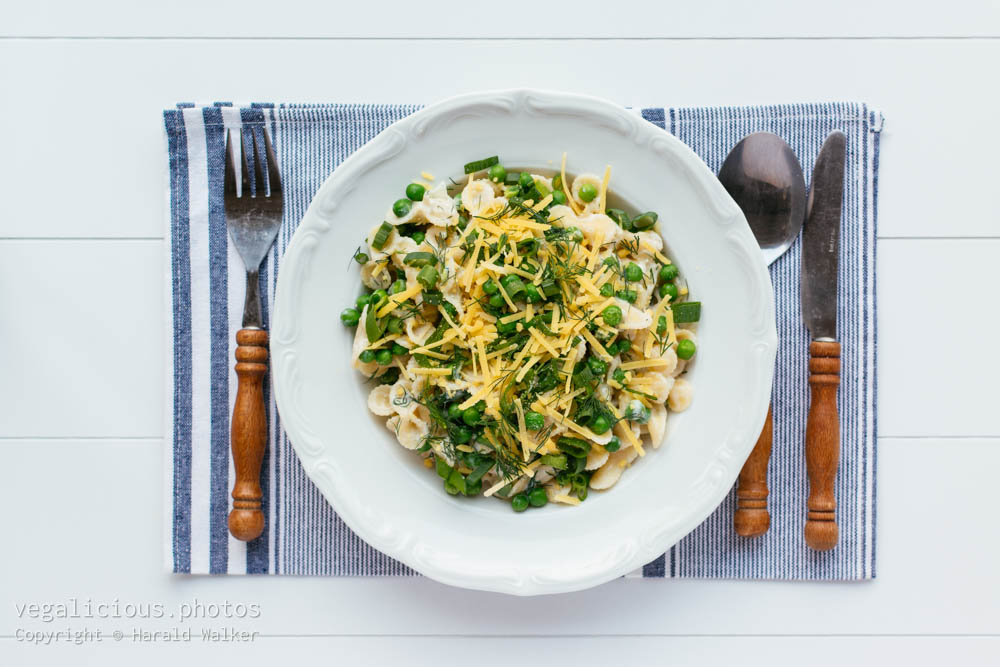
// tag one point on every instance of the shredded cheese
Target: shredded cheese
(604, 188)
(565, 186)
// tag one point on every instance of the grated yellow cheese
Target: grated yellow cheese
(426, 175)
(644, 363)
(604, 188)
(542, 204)
(397, 299)
(444, 339)
(625, 430)
(432, 371)
(507, 319)
(568, 500)
(596, 346)
(390, 337)
(524, 369)
(544, 343)
(565, 186)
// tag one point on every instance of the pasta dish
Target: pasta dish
(525, 338)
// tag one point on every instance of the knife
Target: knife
(820, 251)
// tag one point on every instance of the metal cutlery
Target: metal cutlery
(765, 179)
(253, 220)
(820, 259)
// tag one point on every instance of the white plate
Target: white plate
(383, 492)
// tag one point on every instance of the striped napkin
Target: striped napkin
(304, 536)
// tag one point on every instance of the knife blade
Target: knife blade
(821, 239)
(820, 260)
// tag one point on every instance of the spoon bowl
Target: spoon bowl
(764, 178)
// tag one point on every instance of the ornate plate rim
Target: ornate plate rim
(399, 543)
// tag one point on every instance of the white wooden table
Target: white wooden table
(82, 342)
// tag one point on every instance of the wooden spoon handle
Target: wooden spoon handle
(752, 518)
(248, 437)
(822, 444)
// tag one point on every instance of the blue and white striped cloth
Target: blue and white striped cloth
(304, 536)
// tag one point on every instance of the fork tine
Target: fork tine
(245, 192)
(229, 179)
(258, 171)
(273, 177)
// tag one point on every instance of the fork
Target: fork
(253, 221)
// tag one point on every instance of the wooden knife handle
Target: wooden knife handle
(248, 437)
(822, 444)
(752, 518)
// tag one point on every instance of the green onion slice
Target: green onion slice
(420, 259)
(479, 165)
(686, 311)
(382, 236)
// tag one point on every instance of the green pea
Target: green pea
(574, 234)
(415, 192)
(428, 277)
(363, 300)
(490, 287)
(612, 315)
(350, 317)
(668, 290)
(668, 272)
(610, 260)
(401, 207)
(537, 497)
(470, 416)
(379, 298)
(588, 192)
(497, 173)
(461, 435)
(519, 503)
(685, 349)
(496, 301)
(558, 198)
(533, 421)
(597, 366)
(418, 237)
(614, 445)
(394, 325)
(531, 294)
(633, 272)
(619, 376)
(361, 258)
(481, 406)
(367, 356)
(661, 325)
(454, 411)
(600, 424)
(397, 286)
(557, 182)
(607, 289)
(399, 350)
(624, 345)
(526, 180)
(383, 357)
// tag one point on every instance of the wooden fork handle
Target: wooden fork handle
(752, 518)
(248, 437)
(822, 444)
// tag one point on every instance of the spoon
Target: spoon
(765, 179)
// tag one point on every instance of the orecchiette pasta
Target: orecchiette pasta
(524, 338)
